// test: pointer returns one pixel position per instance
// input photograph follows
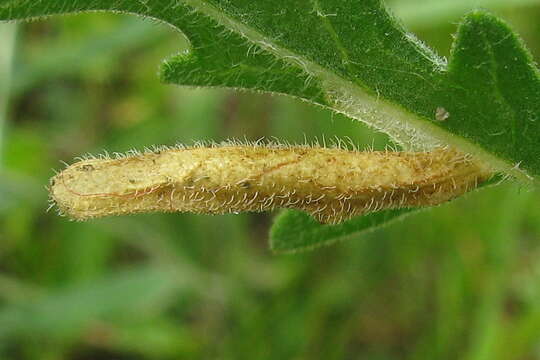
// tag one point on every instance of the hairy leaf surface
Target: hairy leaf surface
(354, 57)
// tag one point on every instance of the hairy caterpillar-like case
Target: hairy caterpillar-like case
(331, 184)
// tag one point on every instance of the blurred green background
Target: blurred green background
(461, 281)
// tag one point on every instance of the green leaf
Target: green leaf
(295, 231)
(353, 57)
(499, 88)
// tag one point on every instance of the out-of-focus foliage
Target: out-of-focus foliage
(459, 281)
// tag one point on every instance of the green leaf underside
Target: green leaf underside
(353, 57)
(295, 231)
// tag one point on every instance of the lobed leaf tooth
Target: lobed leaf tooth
(332, 184)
